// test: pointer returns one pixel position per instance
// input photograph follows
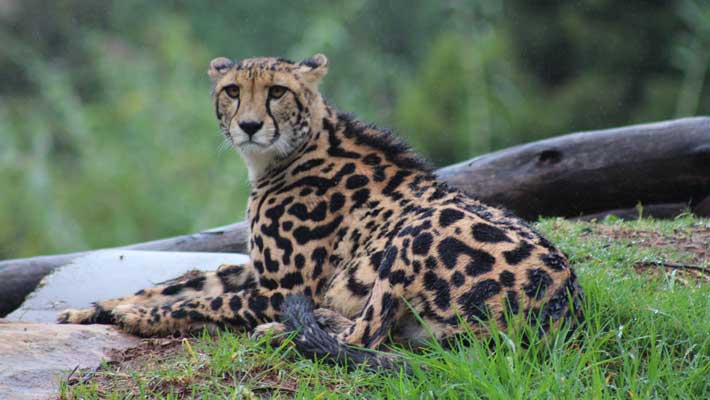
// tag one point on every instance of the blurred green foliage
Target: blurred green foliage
(107, 135)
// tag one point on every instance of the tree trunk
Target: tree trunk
(590, 172)
(662, 166)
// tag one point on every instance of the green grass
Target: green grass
(645, 336)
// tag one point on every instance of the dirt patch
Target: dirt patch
(684, 252)
(116, 374)
(149, 367)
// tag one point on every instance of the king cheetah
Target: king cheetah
(353, 240)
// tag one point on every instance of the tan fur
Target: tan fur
(345, 214)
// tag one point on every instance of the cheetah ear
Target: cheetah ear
(219, 66)
(314, 68)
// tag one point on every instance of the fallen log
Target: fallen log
(590, 172)
(569, 176)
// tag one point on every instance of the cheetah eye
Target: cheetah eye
(276, 92)
(232, 91)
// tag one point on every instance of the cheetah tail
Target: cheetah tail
(312, 340)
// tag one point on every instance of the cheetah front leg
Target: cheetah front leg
(243, 310)
(227, 278)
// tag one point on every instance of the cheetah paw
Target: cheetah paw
(275, 330)
(134, 319)
(77, 316)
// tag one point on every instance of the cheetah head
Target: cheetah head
(267, 107)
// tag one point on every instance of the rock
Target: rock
(108, 274)
(34, 358)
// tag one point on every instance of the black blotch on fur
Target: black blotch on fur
(511, 302)
(559, 306)
(180, 313)
(305, 166)
(271, 264)
(196, 283)
(372, 159)
(216, 303)
(259, 266)
(102, 316)
(449, 216)
(489, 233)
(473, 302)
(554, 261)
(440, 287)
(334, 143)
(318, 258)
(300, 261)
(304, 234)
(258, 304)
(172, 289)
(291, 279)
(451, 248)
(337, 201)
(357, 287)
(458, 279)
(422, 243)
(394, 183)
(196, 316)
(507, 278)
(388, 260)
(400, 277)
(359, 198)
(378, 174)
(388, 310)
(276, 300)
(274, 214)
(235, 304)
(300, 211)
(538, 282)
(268, 283)
(356, 181)
(376, 259)
(518, 254)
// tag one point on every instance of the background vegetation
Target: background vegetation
(106, 131)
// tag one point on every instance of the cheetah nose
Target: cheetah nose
(250, 127)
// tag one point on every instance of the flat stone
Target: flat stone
(34, 358)
(109, 274)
